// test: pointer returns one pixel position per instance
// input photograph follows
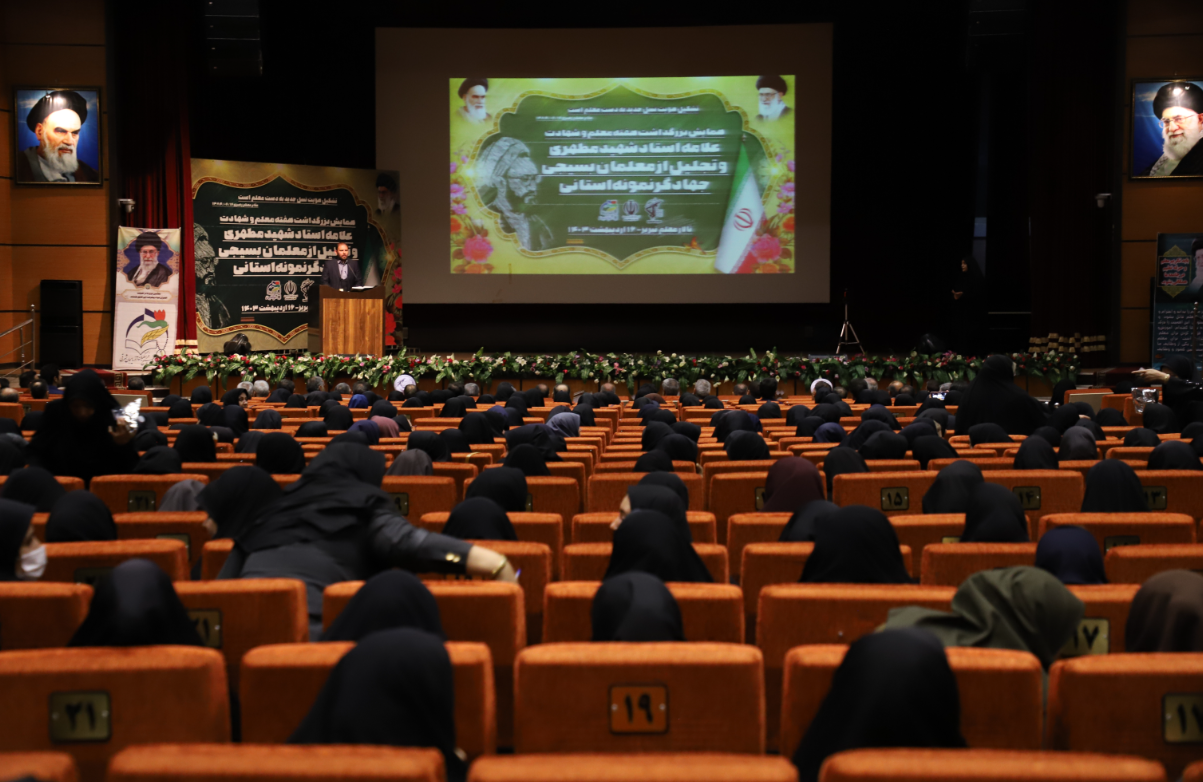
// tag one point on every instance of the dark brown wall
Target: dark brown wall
(54, 233)
(1164, 39)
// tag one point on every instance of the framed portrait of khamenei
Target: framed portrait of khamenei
(57, 136)
(1167, 126)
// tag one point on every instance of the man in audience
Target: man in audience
(895, 388)
(10, 395)
(52, 377)
(933, 386)
(741, 389)
(38, 389)
(561, 393)
(608, 388)
(260, 388)
(856, 385)
(27, 377)
(543, 389)
(701, 388)
(472, 390)
(670, 387)
(342, 388)
(360, 388)
(409, 391)
(135, 383)
(840, 391)
(456, 387)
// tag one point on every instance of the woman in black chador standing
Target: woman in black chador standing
(968, 310)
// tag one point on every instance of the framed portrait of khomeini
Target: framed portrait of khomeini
(57, 136)
(1167, 125)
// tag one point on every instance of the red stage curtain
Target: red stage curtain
(151, 113)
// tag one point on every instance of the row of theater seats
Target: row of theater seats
(251, 622)
(221, 762)
(587, 697)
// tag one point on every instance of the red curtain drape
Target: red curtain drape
(151, 121)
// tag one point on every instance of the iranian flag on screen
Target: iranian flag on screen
(744, 213)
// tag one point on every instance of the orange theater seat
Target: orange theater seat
(1101, 630)
(987, 461)
(211, 470)
(640, 767)
(1002, 694)
(1126, 529)
(89, 561)
(416, 495)
(918, 532)
(68, 482)
(574, 470)
(588, 561)
(238, 614)
(44, 766)
(735, 492)
(187, 527)
(558, 495)
(1149, 705)
(1136, 564)
(134, 493)
(893, 493)
(985, 765)
(544, 528)
(1041, 492)
(1173, 491)
(639, 697)
(949, 564)
(709, 612)
(746, 528)
(37, 615)
(532, 562)
(247, 762)
(458, 472)
(214, 556)
(92, 703)
(795, 614)
(488, 612)
(595, 527)
(281, 682)
(606, 490)
(778, 563)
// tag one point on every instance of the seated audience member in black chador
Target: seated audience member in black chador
(80, 435)
(635, 606)
(1179, 392)
(336, 524)
(993, 398)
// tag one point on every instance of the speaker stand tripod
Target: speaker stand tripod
(848, 333)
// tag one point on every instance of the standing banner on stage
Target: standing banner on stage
(1179, 286)
(148, 288)
(264, 232)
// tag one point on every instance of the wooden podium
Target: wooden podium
(346, 322)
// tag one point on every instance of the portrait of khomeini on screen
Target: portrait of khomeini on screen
(56, 120)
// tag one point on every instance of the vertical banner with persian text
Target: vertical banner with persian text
(263, 234)
(1179, 286)
(147, 290)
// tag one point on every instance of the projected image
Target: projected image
(622, 176)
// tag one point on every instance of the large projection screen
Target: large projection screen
(649, 165)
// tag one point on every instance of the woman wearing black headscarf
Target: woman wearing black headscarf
(201, 395)
(12, 457)
(313, 429)
(994, 515)
(195, 443)
(994, 398)
(712, 403)
(1113, 487)
(661, 499)
(861, 434)
(842, 461)
(33, 486)
(653, 433)
(1160, 419)
(635, 606)
(1048, 434)
(22, 555)
(338, 419)
(801, 526)
(742, 446)
(949, 493)
(456, 441)
(1072, 555)
(916, 429)
(336, 524)
(654, 461)
(1167, 614)
(892, 689)
(1174, 455)
(931, 446)
(235, 419)
(477, 429)
(688, 429)
(656, 414)
(1077, 444)
(855, 545)
(295, 401)
(988, 433)
(280, 454)
(394, 688)
(159, 460)
(1035, 454)
(268, 419)
(388, 600)
(1109, 416)
(180, 409)
(479, 518)
(1058, 397)
(80, 516)
(586, 415)
(249, 442)
(792, 483)
(650, 542)
(679, 448)
(527, 459)
(879, 413)
(136, 605)
(884, 445)
(967, 306)
(1141, 438)
(1179, 391)
(732, 421)
(456, 407)
(504, 485)
(537, 435)
(431, 443)
(768, 410)
(237, 397)
(669, 481)
(78, 435)
(504, 391)
(236, 499)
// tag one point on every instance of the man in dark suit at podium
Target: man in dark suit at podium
(342, 272)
